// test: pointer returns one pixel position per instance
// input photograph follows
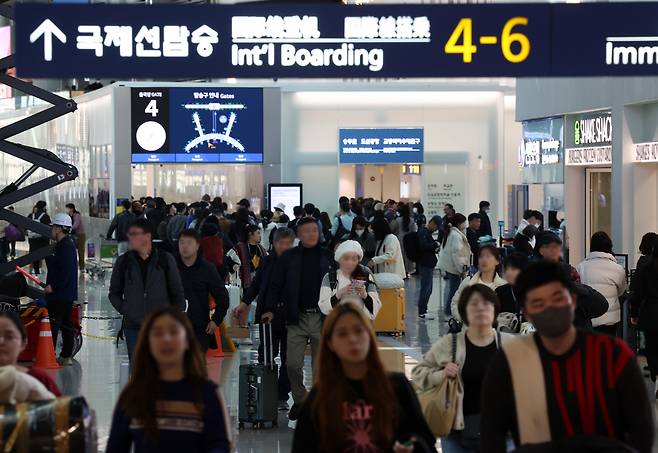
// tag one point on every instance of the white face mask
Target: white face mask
(282, 225)
(359, 232)
(415, 210)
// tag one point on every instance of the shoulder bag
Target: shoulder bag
(440, 404)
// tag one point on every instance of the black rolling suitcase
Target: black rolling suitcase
(258, 388)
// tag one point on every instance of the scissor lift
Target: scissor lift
(39, 158)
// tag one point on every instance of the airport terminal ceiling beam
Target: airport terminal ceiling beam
(39, 158)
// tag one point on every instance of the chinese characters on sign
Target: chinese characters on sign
(443, 184)
(438, 195)
(265, 32)
(271, 40)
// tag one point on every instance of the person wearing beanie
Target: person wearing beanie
(350, 283)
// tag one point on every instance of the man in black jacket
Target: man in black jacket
(120, 223)
(200, 282)
(473, 231)
(485, 222)
(260, 287)
(295, 287)
(143, 279)
(426, 263)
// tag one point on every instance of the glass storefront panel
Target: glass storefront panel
(599, 191)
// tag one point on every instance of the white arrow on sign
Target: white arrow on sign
(48, 29)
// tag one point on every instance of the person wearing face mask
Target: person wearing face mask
(419, 214)
(454, 257)
(561, 387)
(474, 348)
(487, 274)
(485, 222)
(361, 234)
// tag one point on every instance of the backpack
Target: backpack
(212, 249)
(341, 231)
(333, 276)
(32, 234)
(411, 243)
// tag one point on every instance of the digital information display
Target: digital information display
(380, 146)
(290, 195)
(204, 125)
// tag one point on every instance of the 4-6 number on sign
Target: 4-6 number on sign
(461, 40)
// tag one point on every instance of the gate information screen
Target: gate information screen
(205, 125)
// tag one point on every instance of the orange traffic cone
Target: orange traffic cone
(45, 357)
(219, 352)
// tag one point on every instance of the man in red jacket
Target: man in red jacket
(571, 389)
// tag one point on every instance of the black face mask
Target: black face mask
(553, 321)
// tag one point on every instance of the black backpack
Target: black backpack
(411, 243)
(333, 276)
(341, 231)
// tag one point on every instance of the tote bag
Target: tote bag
(440, 404)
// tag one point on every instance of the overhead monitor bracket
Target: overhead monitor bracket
(39, 158)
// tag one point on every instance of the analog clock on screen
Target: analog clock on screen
(151, 136)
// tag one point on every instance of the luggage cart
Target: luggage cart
(101, 255)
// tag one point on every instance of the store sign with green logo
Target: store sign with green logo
(588, 140)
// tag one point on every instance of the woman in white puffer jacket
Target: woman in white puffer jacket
(454, 257)
(601, 271)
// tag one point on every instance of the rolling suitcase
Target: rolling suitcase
(390, 319)
(258, 388)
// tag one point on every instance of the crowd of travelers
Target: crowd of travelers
(533, 359)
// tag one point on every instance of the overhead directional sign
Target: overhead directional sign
(333, 40)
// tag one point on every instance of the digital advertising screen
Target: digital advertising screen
(286, 196)
(381, 146)
(197, 125)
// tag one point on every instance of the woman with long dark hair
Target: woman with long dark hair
(355, 405)
(251, 253)
(454, 257)
(419, 214)
(15, 336)
(169, 405)
(388, 256)
(401, 226)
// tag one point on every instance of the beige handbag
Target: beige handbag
(440, 404)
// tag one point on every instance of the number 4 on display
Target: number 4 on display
(464, 32)
(152, 108)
